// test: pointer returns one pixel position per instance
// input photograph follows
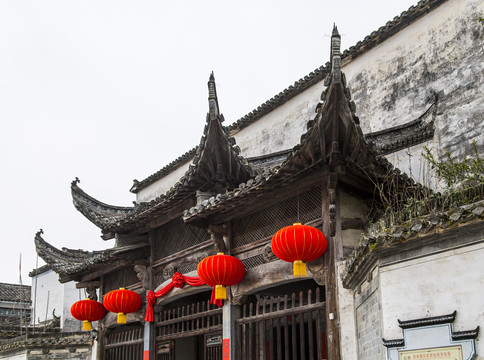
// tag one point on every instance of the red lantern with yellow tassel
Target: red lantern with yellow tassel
(219, 271)
(122, 301)
(86, 311)
(298, 244)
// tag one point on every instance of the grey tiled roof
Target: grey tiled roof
(66, 262)
(13, 292)
(61, 340)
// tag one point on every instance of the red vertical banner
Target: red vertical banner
(146, 355)
(226, 349)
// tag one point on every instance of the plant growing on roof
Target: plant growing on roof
(465, 173)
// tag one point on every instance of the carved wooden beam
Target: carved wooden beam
(91, 288)
(143, 273)
(217, 236)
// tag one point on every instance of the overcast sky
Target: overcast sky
(111, 91)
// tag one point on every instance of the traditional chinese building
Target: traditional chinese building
(339, 150)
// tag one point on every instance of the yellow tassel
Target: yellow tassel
(299, 268)
(220, 292)
(86, 325)
(121, 318)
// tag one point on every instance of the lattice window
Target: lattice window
(184, 269)
(120, 278)
(254, 261)
(302, 208)
(177, 236)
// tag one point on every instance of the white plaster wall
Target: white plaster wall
(346, 304)
(50, 294)
(432, 286)
(282, 128)
(411, 162)
(71, 295)
(47, 295)
(162, 186)
(441, 52)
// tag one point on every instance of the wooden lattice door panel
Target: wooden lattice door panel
(263, 224)
(189, 320)
(124, 343)
(283, 328)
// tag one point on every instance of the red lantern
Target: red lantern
(298, 244)
(122, 301)
(220, 271)
(86, 311)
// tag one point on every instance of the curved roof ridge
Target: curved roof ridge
(218, 158)
(69, 262)
(216, 165)
(97, 212)
(61, 259)
(333, 138)
(217, 133)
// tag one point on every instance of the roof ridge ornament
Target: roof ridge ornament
(336, 55)
(212, 98)
(75, 181)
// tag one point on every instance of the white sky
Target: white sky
(111, 91)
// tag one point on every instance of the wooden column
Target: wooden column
(330, 229)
